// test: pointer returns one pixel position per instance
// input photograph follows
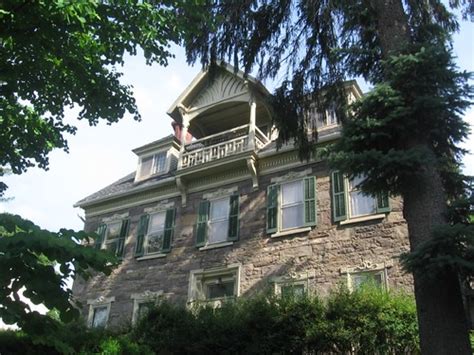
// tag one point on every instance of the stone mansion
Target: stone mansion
(215, 211)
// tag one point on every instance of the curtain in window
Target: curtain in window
(292, 204)
(100, 317)
(360, 204)
(145, 166)
(219, 221)
(156, 229)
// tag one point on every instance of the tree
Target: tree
(57, 54)
(403, 136)
(37, 263)
(53, 55)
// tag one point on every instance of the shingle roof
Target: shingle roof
(125, 184)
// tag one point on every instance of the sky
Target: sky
(102, 154)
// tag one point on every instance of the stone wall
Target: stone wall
(321, 253)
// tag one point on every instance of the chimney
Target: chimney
(178, 128)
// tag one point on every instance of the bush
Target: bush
(364, 322)
(369, 321)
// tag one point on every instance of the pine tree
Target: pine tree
(403, 136)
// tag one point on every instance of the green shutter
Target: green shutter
(100, 236)
(234, 218)
(201, 228)
(142, 229)
(310, 201)
(338, 196)
(121, 242)
(383, 202)
(169, 230)
(272, 208)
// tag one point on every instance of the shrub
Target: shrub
(364, 322)
(369, 321)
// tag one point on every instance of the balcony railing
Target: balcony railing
(220, 145)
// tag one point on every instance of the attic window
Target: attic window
(151, 165)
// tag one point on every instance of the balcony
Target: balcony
(222, 145)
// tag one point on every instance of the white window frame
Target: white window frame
(99, 303)
(347, 181)
(145, 244)
(327, 114)
(367, 267)
(153, 172)
(106, 237)
(209, 221)
(280, 206)
(199, 279)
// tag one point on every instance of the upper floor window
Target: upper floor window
(151, 165)
(111, 236)
(218, 221)
(155, 232)
(349, 202)
(291, 205)
(320, 120)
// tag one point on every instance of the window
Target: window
(155, 232)
(294, 285)
(219, 287)
(348, 201)
(368, 278)
(99, 310)
(152, 164)
(99, 318)
(214, 285)
(144, 308)
(367, 274)
(291, 205)
(292, 291)
(321, 120)
(143, 303)
(360, 204)
(218, 221)
(112, 235)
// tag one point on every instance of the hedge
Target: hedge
(369, 321)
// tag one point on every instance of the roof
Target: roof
(196, 86)
(123, 186)
(162, 142)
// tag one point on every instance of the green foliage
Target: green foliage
(38, 263)
(16, 342)
(383, 138)
(367, 321)
(65, 53)
(313, 46)
(471, 337)
(452, 245)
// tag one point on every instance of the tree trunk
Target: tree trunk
(442, 321)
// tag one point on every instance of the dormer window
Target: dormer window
(321, 120)
(152, 165)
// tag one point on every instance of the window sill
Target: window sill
(216, 245)
(363, 219)
(290, 232)
(151, 256)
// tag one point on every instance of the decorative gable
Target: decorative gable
(224, 86)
